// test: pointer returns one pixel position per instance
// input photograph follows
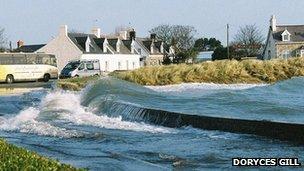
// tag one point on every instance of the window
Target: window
(81, 67)
(302, 53)
(127, 62)
(38, 60)
(90, 66)
(286, 54)
(286, 37)
(106, 65)
(119, 65)
(269, 54)
(139, 51)
(133, 65)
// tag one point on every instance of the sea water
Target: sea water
(101, 128)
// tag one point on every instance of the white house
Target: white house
(114, 54)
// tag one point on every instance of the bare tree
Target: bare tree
(184, 36)
(3, 40)
(163, 32)
(248, 40)
(181, 36)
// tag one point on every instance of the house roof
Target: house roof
(79, 39)
(125, 46)
(296, 32)
(29, 48)
(146, 43)
(96, 44)
(127, 43)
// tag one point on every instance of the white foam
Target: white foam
(26, 122)
(202, 86)
(65, 106)
(77, 114)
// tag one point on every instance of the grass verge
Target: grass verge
(76, 84)
(16, 158)
(223, 72)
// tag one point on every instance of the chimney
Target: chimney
(153, 36)
(273, 23)
(20, 43)
(63, 30)
(123, 35)
(96, 32)
(132, 35)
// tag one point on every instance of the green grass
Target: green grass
(76, 84)
(223, 72)
(16, 158)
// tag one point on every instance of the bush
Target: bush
(223, 71)
(76, 84)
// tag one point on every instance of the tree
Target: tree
(180, 37)
(163, 32)
(248, 40)
(3, 40)
(183, 36)
(205, 44)
(187, 56)
(221, 53)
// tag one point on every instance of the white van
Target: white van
(81, 68)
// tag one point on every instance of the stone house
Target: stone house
(284, 41)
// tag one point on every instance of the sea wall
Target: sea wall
(291, 132)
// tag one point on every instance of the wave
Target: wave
(116, 104)
(202, 87)
(26, 122)
(65, 107)
(160, 109)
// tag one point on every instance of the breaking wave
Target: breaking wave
(64, 107)
(27, 122)
(202, 87)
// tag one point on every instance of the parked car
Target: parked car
(81, 68)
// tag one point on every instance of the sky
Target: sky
(38, 21)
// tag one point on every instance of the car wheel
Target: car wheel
(46, 77)
(9, 79)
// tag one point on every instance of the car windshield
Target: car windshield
(72, 65)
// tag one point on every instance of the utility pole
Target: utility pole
(228, 41)
(10, 46)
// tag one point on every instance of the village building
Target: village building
(122, 52)
(284, 41)
(21, 47)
